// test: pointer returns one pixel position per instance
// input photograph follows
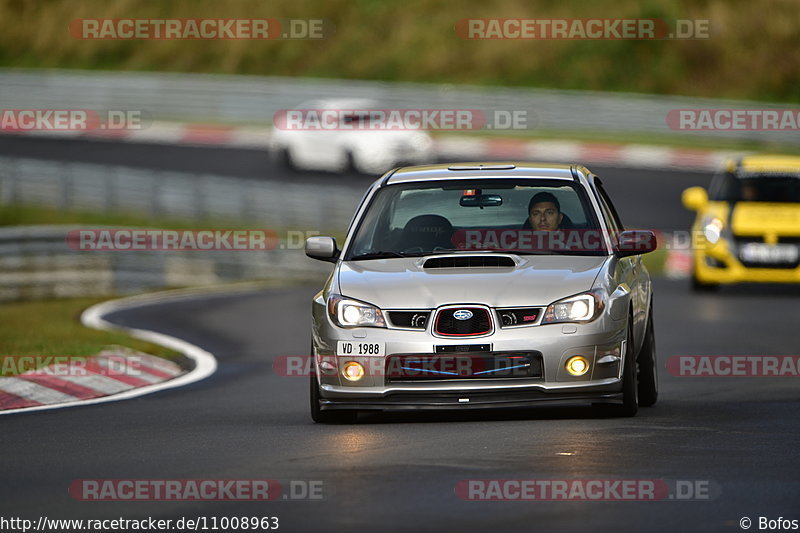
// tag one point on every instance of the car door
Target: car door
(628, 270)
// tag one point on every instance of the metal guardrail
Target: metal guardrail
(166, 194)
(254, 99)
(36, 262)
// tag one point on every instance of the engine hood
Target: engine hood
(755, 218)
(403, 282)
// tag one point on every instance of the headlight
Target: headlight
(712, 230)
(352, 313)
(580, 308)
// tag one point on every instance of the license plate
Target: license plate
(361, 348)
(765, 253)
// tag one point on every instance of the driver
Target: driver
(544, 212)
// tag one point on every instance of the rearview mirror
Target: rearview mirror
(635, 242)
(481, 200)
(322, 248)
(695, 198)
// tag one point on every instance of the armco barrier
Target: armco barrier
(255, 99)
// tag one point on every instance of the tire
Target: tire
(355, 166)
(286, 160)
(647, 364)
(702, 286)
(630, 389)
(327, 417)
(350, 165)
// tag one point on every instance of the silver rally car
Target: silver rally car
(480, 285)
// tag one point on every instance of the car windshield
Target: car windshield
(782, 189)
(414, 219)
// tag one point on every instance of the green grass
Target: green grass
(751, 51)
(654, 261)
(52, 328)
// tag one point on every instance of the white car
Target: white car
(346, 142)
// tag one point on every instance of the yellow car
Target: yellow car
(748, 225)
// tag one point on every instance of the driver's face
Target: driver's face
(545, 216)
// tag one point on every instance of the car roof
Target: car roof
(755, 165)
(339, 103)
(487, 170)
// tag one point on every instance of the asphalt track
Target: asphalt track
(398, 472)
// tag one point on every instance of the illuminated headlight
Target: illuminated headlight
(352, 371)
(352, 313)
(577, 366)
(712, 230)
(580, 308)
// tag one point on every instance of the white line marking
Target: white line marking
(205, 363)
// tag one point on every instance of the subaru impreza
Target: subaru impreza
(480, 285)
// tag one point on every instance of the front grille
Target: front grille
(428, 367)
(462, 348)
(409, 319)
(526, 316)
(475, 321)
(471, 261)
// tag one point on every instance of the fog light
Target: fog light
(352, 371)
(577, 366)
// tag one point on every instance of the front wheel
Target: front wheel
(630, 389)
(648, 367)
(702, 286)
(327, 417)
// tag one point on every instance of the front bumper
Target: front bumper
(718, 264)
(601, 342)
(476, 398)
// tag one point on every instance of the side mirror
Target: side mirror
(695, 198)
(322, 248)
(635, 242)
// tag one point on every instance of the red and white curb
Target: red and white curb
(678, 264)
(94, 377)
(445, 147)
(621, 155)
(26, 393)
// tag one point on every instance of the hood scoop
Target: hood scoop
(470, 261)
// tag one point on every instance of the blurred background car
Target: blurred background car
(347, 141)
(748, 223)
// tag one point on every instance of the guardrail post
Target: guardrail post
(200, 192)
(155, 206)
(65, 186)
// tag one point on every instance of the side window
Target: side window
(609, 212)
(724, 187)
